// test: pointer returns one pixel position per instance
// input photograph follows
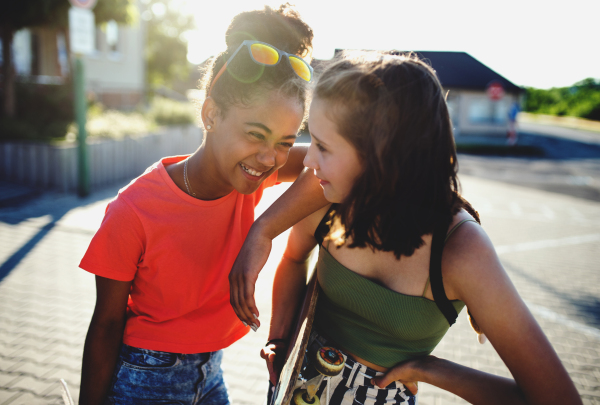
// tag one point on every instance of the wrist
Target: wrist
(261, 228)
(425, 367)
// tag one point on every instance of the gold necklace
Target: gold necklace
(186, 180)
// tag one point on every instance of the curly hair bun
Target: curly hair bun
(246, 81)
(283, 28)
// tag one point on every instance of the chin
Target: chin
(245, 188)
(331, 198)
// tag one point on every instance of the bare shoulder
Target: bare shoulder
(302, 241)
(309, 224)
(469, 256)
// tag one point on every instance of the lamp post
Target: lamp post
(81, 35)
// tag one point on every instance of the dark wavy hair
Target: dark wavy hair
(245, 81)
(392, 109)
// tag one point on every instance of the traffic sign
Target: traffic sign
(88, 4)
(495, 90)
(82, 30)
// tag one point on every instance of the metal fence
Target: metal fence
(54, 166)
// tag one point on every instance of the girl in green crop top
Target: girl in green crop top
(383, 151)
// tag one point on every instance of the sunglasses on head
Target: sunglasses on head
(264, 54)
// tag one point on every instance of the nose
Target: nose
(310, 160)
(267, 156)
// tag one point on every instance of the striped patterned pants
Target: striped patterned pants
(353, 385)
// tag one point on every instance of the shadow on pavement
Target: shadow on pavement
(529, 146)
(587, 306)
(52, 205)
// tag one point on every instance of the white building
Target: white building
(467, 81)
(114, 72)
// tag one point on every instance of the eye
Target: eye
(287, 144)
(320, 147)
(257, 135)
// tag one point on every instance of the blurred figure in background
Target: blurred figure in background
(511, 135)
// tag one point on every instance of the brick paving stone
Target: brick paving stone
(27, 398)
(8, 379)
(46, 302)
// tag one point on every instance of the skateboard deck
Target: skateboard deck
(289, 374)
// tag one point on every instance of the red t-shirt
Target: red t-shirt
(178, 251)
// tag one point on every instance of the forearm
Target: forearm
(100, 355)
(288, 289)
(476, 387)
(301, 199)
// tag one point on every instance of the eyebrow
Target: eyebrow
(317, 139)
(261, 126)
(268, 130)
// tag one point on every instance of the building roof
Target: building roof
(461, 70)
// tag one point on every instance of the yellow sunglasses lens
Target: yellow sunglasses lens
(264, 54)
(300, 67)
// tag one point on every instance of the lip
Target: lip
(323, 182)
(251, 177)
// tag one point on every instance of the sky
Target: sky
(529, 42)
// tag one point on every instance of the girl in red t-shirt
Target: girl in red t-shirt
(163, 252)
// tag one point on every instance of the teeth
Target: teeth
(250, 171)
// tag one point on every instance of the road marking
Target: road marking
(547, 212)
(550, 315)
(515, 209)
(576, 214)
(548, 243)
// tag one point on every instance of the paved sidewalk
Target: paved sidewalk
(549, 244)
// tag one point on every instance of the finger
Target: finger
(272, 375)
(385, 380)
(234, 300)
(237, 301)
(412, 387)
(247, 302)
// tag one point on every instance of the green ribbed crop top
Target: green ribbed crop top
(373, 322)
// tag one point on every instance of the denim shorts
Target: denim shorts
(151, 377)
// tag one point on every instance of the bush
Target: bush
(116, 124)
(164, 111)
(580, 100)
(43, 112)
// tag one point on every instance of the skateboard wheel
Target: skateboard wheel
(329, 361)
(301, 398)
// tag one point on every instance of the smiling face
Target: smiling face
(335, 161)
(250, 143)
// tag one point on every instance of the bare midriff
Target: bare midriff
(365, 362)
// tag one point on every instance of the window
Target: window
(112, 37)
(486, 111)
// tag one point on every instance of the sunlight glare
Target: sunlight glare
(530, 42)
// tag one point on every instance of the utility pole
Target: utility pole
(82, 29)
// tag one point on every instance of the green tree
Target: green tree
(18, 14)
(580, 100)
(166, 45)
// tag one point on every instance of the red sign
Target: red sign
(89, 4)
(495, 91)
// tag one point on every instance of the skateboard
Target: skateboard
(328, 361)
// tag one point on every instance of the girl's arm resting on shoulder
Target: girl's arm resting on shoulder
(288, 288)
(473, 274)
(103, 340)
(301, 199)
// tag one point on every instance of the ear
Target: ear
(210, 114)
